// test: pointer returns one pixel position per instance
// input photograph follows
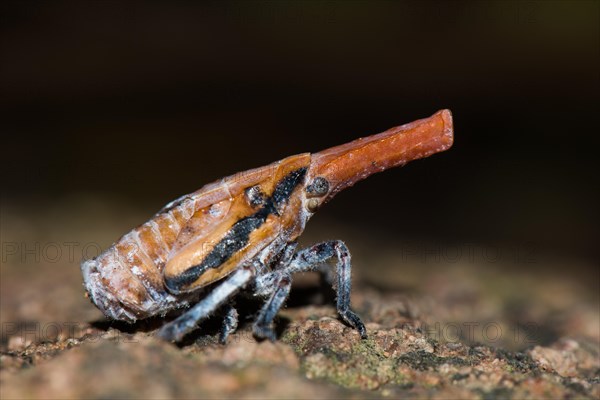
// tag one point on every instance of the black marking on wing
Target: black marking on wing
(239, 235)
(286, 186)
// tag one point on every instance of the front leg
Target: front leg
(311, 258)
(278, 283)
(262, 326)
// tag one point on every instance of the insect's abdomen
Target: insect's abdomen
(126, 281)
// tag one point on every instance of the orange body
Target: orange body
(154, 268)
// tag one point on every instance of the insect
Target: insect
(240, 232)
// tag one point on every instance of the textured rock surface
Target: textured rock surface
(436, 330)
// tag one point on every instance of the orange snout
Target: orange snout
(349, 163)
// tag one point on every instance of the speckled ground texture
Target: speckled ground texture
(438, 328)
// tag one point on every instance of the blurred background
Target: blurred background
(112, 109)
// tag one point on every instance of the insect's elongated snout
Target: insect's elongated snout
(342, 166)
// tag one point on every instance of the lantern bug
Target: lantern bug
(241, 231)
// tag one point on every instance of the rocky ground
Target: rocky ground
(437, 329)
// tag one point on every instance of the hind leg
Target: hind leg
(185, 323)
(230, 323)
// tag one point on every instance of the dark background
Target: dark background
(145, 101)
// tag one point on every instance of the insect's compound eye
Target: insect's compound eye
(255, 196)
(319, 187)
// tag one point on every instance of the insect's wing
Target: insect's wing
(231, 227)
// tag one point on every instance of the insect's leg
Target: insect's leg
(230, 323)
(311, 258)
(177, 329)
(285, 256)
(262, 326)
(277, 285)
(267, 282)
